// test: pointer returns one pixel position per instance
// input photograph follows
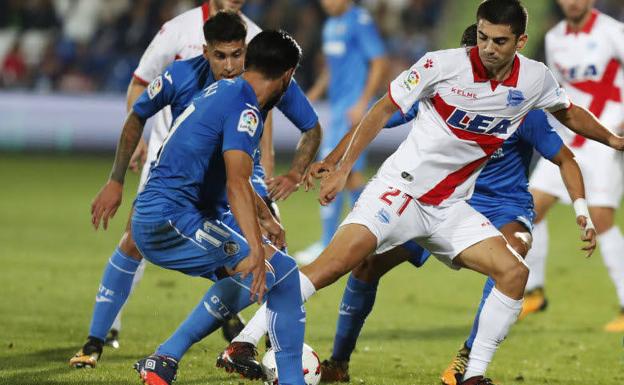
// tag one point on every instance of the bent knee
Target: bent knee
(128, 246)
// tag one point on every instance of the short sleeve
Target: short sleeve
(537, 131)
(617, 39)
(415, 83)
(398, 118)
(159, 54)
(158, 94)
(552, 98)
(242, 129)
(368, 37)
(297, 108)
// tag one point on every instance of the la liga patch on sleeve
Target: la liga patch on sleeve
(248, 122)
(155, 87)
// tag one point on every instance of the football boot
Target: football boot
(88, 355)
(241, 358)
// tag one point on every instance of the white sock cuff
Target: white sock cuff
(307, 288)
(514, 304)
(612, 235)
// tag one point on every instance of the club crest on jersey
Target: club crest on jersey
(411, 80)
(248, 122)
(480, 124)
(515, 98)
(155, 87)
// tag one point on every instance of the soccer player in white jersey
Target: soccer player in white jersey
(469, 104)
(586, 54)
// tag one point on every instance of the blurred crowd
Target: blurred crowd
(95, 45)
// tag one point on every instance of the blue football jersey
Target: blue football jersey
(350, 41)
(189, 173)
(504, 179)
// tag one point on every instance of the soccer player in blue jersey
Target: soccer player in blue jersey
(182, 80)
(355, 67)
(179, 221)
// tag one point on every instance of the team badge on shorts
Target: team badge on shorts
(154, 87)
(248, 122)
(231, 248)
(383, 216)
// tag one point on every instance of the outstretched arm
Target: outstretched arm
(363, 135)
(108, 200)
(573, 180)
(135, 89)
(584, 123)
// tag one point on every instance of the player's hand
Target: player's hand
(138, 157)
(617, 142)
(274, 231)
(280, 187)
(106, 203)
(331, 185)
(316, 171)
(588, 235)
(257, 268)
(357, 112)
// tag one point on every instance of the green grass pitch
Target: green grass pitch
(51, 262)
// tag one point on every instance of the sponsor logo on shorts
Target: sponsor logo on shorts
(407, 176)
(383, 216)
(231, 248)
(248, 122)
(486, 224)
(411, 80)
(154, 88)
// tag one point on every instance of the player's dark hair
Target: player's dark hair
(469, 38)
(224, 27)
(509, 12)
(272, 53)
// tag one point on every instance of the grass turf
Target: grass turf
(52, 261)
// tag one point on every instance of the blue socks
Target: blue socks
(357, 302)
(224, 298)
(113, 292)
(286, 320)
(489, 285)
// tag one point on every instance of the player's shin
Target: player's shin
(612, 248)
(498, 314)
(330, 217)
(536, 257)
(487, 289)
(113, 292)
(357, 302)
(224, 299)
(256, 328)
(286, 320)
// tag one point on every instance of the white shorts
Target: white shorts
(603, 173)
(395, 218)
(160, 130)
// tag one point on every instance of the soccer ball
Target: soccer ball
(311, 366)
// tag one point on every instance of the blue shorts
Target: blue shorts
(191, 243)
(339, 126)
(499, 215)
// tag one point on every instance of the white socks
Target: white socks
(536, 258)
(612, 247)
(498, 314)
(137, 277)
(257, 326)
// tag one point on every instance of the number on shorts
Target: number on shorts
(204, 234)
(388, 196)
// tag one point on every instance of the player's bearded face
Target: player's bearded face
(497, 44)
(575, 10)
(227, 59)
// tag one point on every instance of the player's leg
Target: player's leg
(535, 300)
(612, 250)
(519, 238)
(114, 289)
(357, 303)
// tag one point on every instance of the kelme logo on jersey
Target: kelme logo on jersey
(248, 122)
(480, 124)
(154, 88)
(515, 98)
(411, 80)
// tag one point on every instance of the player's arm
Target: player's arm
(320, 85)
(363, 135)
(108, 200)
(376, 74)
(274, 230)
(267, 151)
(584, 123)
(573, 180)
